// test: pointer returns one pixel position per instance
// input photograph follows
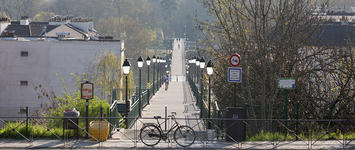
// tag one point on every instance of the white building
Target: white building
(34, 54)
(29, 62)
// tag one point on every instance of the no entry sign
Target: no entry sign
(234, 60)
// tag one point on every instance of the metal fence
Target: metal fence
(34, 129)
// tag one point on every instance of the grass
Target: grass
(12, 130)
(41, 131)
(268, 136)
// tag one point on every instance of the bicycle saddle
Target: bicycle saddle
(157, 117)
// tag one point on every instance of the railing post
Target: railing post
(166, 113)
(26, 121)
(109, 120)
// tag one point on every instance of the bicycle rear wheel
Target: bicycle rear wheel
(150, 135)
(184, 136)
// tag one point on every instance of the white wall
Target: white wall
(3, 26)
(45, 60)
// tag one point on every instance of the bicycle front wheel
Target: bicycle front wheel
(150, 135)
(184, 136)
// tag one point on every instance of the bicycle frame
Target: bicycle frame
(174, 126)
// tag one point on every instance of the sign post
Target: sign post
(235, 73)
(87, 92)
(286, 84)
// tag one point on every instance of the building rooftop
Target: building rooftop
(26, 28)
(336, 34)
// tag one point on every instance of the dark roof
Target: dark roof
(15, 22)
(18, 30)
(36, 28)
(33, 29)
(76, 29)
(336, 35)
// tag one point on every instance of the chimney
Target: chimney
(4, 22)
(24, 20)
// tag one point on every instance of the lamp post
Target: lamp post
(197, 65)
(166, 69)
(209, 72)
(140, 65)
(148, 84)
(158, 73)
(202, 66)
(126, 68)
(154, 61)
(193, 61)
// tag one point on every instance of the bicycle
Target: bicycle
(152, 133)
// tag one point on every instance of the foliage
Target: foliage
(106, 73)
(274, 44)
(72, 99)
(269, 136)
(137, 36)
(43, 16)
(34, 130)
(3, 15)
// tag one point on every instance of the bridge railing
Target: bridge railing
(118, 108)
(312, 135)
(203, 106)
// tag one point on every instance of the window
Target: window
(24, 53)
(23, 83)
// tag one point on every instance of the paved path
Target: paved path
(126, 144)
(178, 98)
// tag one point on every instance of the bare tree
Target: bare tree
(275, 38)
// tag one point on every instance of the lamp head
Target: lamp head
(210, 68)
(202, 63)
(126, 67)
(154, 59)
(148, 61)
(140, 62)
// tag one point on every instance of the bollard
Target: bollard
(166, 111)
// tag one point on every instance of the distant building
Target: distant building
(36, 54)
(56, 27)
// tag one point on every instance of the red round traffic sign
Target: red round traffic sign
(234, 60)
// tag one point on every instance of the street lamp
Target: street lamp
(158, 75)
(126, 67)
(209, 72)
(193, 61)
(140, 65)
(148, 88)
(202, 66)
(154, 61)
(197, 62)
(197, 66)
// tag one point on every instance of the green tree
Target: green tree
(106, 73)
(43, 16)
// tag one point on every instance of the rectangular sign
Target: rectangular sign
(235, 74)
(286, 83)
(87, 90)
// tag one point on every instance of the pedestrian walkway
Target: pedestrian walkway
(126, 144)
(178, 98)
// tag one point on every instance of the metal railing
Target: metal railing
(314, 134)
(134, 106)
